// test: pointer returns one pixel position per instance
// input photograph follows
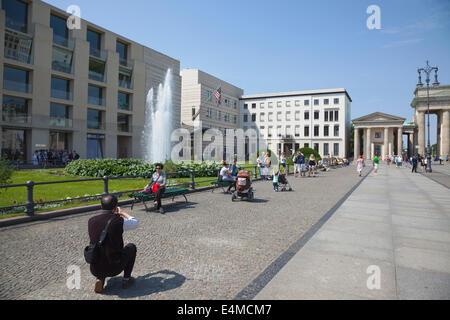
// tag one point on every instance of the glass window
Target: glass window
(261, 105)
(253, 117)
(306, 145)
(288, 103)
(208, 95)
(336, 131)
(297, 131)
(316, 131)
(326, 150)
(269, 131)
(59, 141)
(261, 116)
(59, 116)
(336, 149)
(336, 115)
(325, 113)
(316, 147)
(278, 116)
(306, 131)
(234, 118)
(15, 110)
(306, 102)
(270, 104)
(245, 117)
(336, 101)
(16, 80)
(94, 146)
(288, 116)
(60, 88)
(297, 103)
(95, 95)
(316, 102)
(60, 31)
(326, 131)
(234, 104)
(316, 115)
(278, 104)
(279, 131)
(122, 50)
(331, 115)
(123, 101)
(306, 115)
(245, 106)
(14, 144)
(94, 39)
(270, 116)
(253, 105)
(123, 122)
(16, 14)
(97, 70)
(326, 101)
(62, 60)
(94, 119)
(297, 115)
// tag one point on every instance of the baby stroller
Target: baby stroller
(283, 183)
(244, 188)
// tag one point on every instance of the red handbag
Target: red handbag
(155, 187)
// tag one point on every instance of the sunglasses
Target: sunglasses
(158, 168)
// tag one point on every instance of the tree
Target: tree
(6, 172)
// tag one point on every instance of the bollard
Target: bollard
(192, 173)
(255, 171)
(105, 185)
(30, 202)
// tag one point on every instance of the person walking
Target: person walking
(261, 165)
(114, 257)
(276, 176)
(376, 162)
(359, 165)
(312, 165)
(414, 161)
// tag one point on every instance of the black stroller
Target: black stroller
(283, 183)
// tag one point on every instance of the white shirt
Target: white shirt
(130, 224)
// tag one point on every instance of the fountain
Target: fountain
(158, 122)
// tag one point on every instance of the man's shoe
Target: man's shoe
(98, 288)
(127, 283)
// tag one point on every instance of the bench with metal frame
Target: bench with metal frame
(169, 192)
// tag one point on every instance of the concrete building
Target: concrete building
(82, 89)
(286, 121)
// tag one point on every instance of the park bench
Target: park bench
(170, 192)
(221, 183)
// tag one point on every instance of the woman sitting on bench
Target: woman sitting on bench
(157, 185)
(225, 175)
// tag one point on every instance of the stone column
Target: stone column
(400, 141)
(368, 144)
(438, 133)
(445, 133)
(356, 144)
(386, 143)
(421, 134)
(410, 145)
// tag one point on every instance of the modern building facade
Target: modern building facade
(287, 121)
(83, 89)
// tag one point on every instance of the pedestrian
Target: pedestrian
(414, 164)
(296, 160)
(422, 163)
(312, 165)
(283, 160)
(35, 158)
(261, 165)
(440, 159)
(276, 175)
(359, 165)
(376, 162)
(114, 256)
(268, 164)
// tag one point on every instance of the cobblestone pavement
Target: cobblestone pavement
(210, 248)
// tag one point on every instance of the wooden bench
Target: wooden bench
(222, 184)
(170, 192)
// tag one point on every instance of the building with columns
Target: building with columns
(440, 106)
(378, 134)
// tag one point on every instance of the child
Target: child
(275, 180)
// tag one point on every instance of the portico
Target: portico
(378, 134)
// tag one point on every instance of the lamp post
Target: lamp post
(428, 69)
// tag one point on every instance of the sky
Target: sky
(293, 45)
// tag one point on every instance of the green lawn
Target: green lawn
(17, 195)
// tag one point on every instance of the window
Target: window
(278, 104)
(94, 146)
(253, 105)
(97, 70)
(336, 131)
(123, 122)
(377, 134)
(288, 116)
(306, 131)
(122, 50)
(261, 105)
(16, 80)
(326, 150)
(16, 14)
(288, 103)
(288, 131)
(227, 102)
(245, 106)
(331, 115)
(227, 117)
(306, 117)
(245, 118)
(326, 101)
(279, 116)
(270, 116)
(316, 147)
(279, 131)
(316, 102)
(336, 115)
(60, 89)
(253, 117)
(269, 131)
(306, 145)
(336, 149)
(208, 95)
(219, 115)
(59, 116)
(297, 103)
(316, 131)
(94, 39)
(336, 101)
(270, 104)
(95, 96)
(326, 131)
(15, 110)
(60, 31)
(62, 60)
(124, 78)
(234, 118)
(234, 104)
(325, 113)
(209, 113)
(261, 131)
(261, 117)
(94, 119)
(58, 141)
(297, 115)
(123, 101)
(306, 102)
(297, 131)
(316, 115)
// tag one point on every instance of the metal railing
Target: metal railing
(30, 205)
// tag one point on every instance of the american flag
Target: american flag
(218, 95)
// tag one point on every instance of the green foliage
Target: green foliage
(137, 167)
(6, 172)
(307, 152)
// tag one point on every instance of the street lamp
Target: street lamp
(428, 69)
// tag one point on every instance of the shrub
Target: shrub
(6, 172)
(307, 152)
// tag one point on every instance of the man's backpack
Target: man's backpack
(92, 251)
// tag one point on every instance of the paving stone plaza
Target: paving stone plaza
(315, 242)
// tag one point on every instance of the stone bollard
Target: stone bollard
(30, 202)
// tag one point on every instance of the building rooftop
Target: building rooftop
(296, 93)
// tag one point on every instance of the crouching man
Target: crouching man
(114, 256)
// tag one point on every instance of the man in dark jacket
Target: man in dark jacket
(114, 257)
(414, 164)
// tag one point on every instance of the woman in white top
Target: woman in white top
(158, 182)
(359, 165)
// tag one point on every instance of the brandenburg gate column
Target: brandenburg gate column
(421, 133)
(445, 133)
(400, 141)
(386, 143)
(368, 144)
(356, 147)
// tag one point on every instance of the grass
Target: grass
(51, 192)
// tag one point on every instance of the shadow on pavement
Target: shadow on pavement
(145, 285)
